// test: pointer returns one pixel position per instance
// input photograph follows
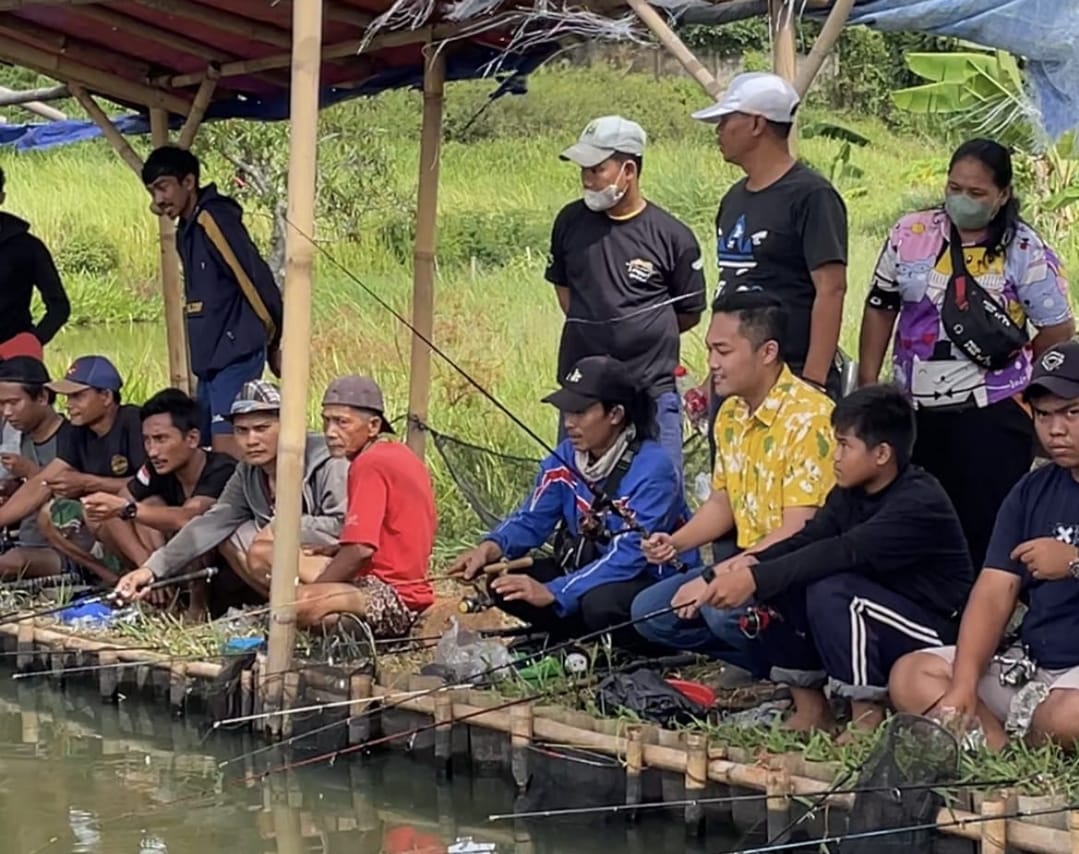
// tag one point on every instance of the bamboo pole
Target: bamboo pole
(296, 341)
(62, 68)
(33, 105)
(829, 35)
(778, 805)
(222, 20)
(172, 286)
(781, 24)
(11, 98)
(521, 718)
(634, 767)
(116, 139)
(995, 832)
(676, 47)
(423, 264)
(198, 108)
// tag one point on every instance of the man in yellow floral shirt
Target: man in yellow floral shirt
(774, 445)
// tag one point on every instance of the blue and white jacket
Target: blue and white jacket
(649, 490)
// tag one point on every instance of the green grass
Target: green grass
(502, 183)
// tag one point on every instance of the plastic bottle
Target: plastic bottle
(694, 401)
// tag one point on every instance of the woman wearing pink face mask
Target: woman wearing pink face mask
(974, 296)
(628, 275)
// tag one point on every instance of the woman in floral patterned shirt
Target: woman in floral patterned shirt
(973, 432)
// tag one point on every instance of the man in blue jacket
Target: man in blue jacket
(233, 304)
(608, 480)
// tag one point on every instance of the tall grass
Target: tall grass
(501, 185)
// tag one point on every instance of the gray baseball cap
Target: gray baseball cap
(604, 137)
(359, 393)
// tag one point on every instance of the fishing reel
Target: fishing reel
(1016, 672)
(475, 602)
(757, 619)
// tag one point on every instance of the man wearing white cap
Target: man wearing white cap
(782, 228)
(628, 274)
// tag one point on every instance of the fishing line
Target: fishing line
(876, 834)
(756, 796)
(603, 501)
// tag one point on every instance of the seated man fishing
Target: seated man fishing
(378, 569)
(99, 453)
(179, 482)
(881, 570)
(241, 518)
(1031, 688)
(605, 483)
(28, 406)
(772, 472)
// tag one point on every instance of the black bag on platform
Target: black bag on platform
(975, 322)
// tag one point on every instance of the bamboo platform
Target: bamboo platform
(466, 724)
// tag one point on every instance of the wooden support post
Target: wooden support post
(634, 767)
(288, 701)
(995, 826)
(172, 286)
(25, 646)
(444, 734)
(521, 723)
(247, 693)
(696, 780)
(179, 683)
(258, 683)
(296, 341)
(198, 108)
(1073, 828)
(359, 713)
(778, 805)
(825, 42)
(423, 263)
(108, 677)
(676, 47)
(781, 24)
(108, 129)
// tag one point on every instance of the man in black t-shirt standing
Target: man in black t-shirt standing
(628, 275)
(782, 228)
(178, 482)
(100, 453)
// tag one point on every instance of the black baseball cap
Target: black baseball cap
(592, 380)
(24, 369)
(1056, 371)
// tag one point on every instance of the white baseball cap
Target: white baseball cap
(603, 137)
(756, 93)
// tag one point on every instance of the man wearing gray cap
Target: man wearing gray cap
(378, 569)
(628, 275)
(239, 524)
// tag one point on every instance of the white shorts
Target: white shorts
(997, 697)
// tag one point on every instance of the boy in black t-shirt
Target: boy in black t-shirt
(100, 453)
(179, 482)
(881, 570)
(628, 275)
(1033, 685)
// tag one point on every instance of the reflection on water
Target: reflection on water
(80, 776)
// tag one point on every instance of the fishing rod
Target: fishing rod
(111, 596)
(756, 796)
(601, 499)
(528, 658)
(914, 828)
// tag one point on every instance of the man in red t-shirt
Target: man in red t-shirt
(379, 569)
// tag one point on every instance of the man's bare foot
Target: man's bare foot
(812, 711)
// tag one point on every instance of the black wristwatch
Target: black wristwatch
(129, 512)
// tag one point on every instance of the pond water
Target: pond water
(80, 776)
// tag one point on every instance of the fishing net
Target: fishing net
(913, 754)
(494, 483)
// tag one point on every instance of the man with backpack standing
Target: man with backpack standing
(233, 307)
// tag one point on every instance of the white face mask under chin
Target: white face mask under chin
(603, 200)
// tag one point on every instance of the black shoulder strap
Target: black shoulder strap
(609, 492)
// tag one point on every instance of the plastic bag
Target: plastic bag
(464, 655)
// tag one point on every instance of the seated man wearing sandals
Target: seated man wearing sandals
(179, 482)
(1032, 687)
(606, 482)
(238, 525)
(378, 570)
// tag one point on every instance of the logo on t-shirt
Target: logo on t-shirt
(119, 465)
(1066, 533)
(640, 270)
(735, 251)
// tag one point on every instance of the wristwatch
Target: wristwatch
(1073, 566)
(129, 512)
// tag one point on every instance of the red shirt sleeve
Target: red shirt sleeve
(367, 494)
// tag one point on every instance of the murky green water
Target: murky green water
(80, 776)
